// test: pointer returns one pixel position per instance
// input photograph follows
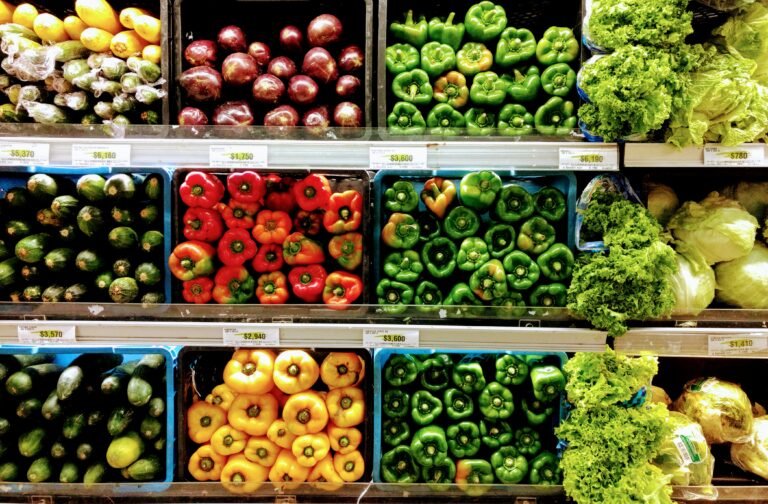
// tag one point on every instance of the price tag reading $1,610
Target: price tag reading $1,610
(45, 334)
(411, 158)
(237, 156)
(388, 338)
(737, 344)
(25, 154)
(101, 155)
(738, 155)
(252, 336)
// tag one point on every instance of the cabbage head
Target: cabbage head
(743, 282)
(693, 283)
(752, 455)
(685, 454)
(753, 196)
(662, 202)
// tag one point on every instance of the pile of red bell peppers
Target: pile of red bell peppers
(269, 239)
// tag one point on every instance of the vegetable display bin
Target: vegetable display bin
(66, 179)
(340, 181)
(63, 356)
(201, 369)
(487, 361)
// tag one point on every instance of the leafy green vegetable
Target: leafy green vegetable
(695, 469)
(743, 282)
(662, 202)
(726, 5)
(753, 196)
(693, 283)
(661, 23)
(752, 456)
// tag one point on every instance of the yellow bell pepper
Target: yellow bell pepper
(253, 414)
(243, 476)
(202, 421)
(346, 406)
(281, 396)
(288, 472)
(295, 371)
(261, 451)
(324, 476)
(221, 396)
(250, 371)
(228, 441)
(342, 369)
(309, 449)
(344, 439)
(279, 434)
(305, 413)
(350, 466)
(205, 464)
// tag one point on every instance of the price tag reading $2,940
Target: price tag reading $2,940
(24, 154)
(45, 334)
(737, 155)
(388, 338)
(237, 156)
(253, 336)
(101, 155)
(413, 158)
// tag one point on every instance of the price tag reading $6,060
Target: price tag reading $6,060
(412, 158)
(254, 336)
(388, 338)
(237, 156)
(45, 334)
(101, 155)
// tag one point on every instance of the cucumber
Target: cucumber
(122, 215)
(65, 206)
(54, 294)
(29, 407)
(40, 470)
(30, 272)
(139, 387)
(94, 474)
(123, 290)
(69, 473)
(152, 241)
(125, 450)
(150, 428)
(33, 248)
(156, 407)
(88, 260)
(58, 450)
(148, 274)
(90, 220)
(18, 228)
(9, 471)
(119, 420)
(95, 418)
(91, 187)
(145, 469)
(59, 259)
(51, 409)
(8, 271)
(117, 380)
(68, 233)
(32, 442)
(73, 426)
(82, 369)
(84, 451)
(153, 186)
(123, 237)
(122, 268)
(75, 292)
(104, 280)
(46, 217)
(5, 426)
(153, 298)
(30, 378)
(18, 198)
(32, 294)
(42, 186)
(120, 186)
(149, 214)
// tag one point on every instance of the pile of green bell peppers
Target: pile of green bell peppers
(470, 418)
(480, 76)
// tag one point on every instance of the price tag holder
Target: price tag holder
(407, 158)
(25, 154)
(101, 155)
(741, 344)
(238, 156)
(588, 159)
(34, 334)
(252, 336)
(390, 338)
(738, 155)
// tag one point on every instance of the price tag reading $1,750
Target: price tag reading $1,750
(737, 344)
(737, 155)
(25, 154)
(411, 158)
(237, 156)
(388, 338)
(101, 155)
(252, 336)
(45, 334)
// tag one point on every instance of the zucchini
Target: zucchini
(90, 220)
(153, 298)
(32, 294)
(94, 474)
(69, 473)
(148, 274)
(104, 280)
(153, 186)
(123, 290)
(152, 241)
(75, 292)
(156, 407)
(125, 450)
(42, 186)
(122, 215)
(73, 426)
(8, 271)
(69, 50)
(65, 206)
(4, 252)
(139, 387)
(150, 117)
(15, 296)
(33, 248)
(30, 272)
(123, 237)
(145, 469)
(58, 449)
(150, 428)
(159, 444)
(4, 445)
(51, 409)
(24, 360)
(59, 259)
(120, 186)
(32, 442)
(91, 187)
(149, 214)
(54, 294)
(46, 217)
(88, 260)
(81, 369)
(9, 471)
(67, 233)
(18, 228)
(40, 470)
(122, 268)
(84, 451)
(89, 119)
(95, 418)
(118, 378)
(29, 407)
(5, 426)
(119, 420)
(18, 198)
(30, 378)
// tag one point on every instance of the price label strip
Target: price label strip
(739, 155)
(737, 345)
(390, 338)
(35, 334)
(238, 156)
(25, 154)
(410, 158)
(252, 336)
(101, 155)
(586, 159)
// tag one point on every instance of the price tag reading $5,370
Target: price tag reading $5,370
(252, 336)
(25, 154)
(101, 155)
(45, 334)
(388, 338)
(237, 156)
(412, 158)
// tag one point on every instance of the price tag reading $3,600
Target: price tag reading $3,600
(45, 334)
(413, 158)
(253, 336)
(387, 338)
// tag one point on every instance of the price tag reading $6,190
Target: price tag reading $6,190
(388, 338)
(45, 334)
(410, 158)
(253, 336)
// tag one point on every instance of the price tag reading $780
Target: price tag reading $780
(237, 156)
(414, 158)
(738, 155)
(101, 155)
(254, 336)
(45, 334)
(387, 338)
(24, 154)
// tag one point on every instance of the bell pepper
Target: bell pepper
(488, 89)
(250, 371)
(401, 370)
(548, 382)
(438, 194)
(425, 408)
(198, 290)
(436, 372)
(429, 446)
(511, 370)
(221, 396)
(228, 441)
(406, 119)
(494, 435)
(201, 189)
(309, 223)
(478, 190)
(556, 263)
(444, 120)
(202, 224)
(401, 58)
(512, 305)
(555, 117)
(299, 250)
(468, 377)
(395, 432)
(410, 31)
(429, 227)
(471, 472)
(295, 371)
(268, 258)
(341, 289)
(461, 295)
(205, 464)
(278, 433)
(473, 58)
(500, 240)
(401, 231)
(191, 259)
(557, 45)
(397, 466)
(463, 439)
(439, 256)
(233, 285)
(515, 46)
(489, 281)
(550, 203)
(342, 369)
(458, 404)
(253, 413)
(288, 472)
(246, 186)
(344, 212)
(413, 87)
(514, 204)
(346, 406)
(238, 214)
(515, 120)
(236, 247)
(549, 295)
(350, 466)
(396, 403)
(203, 419)
(310, 449)
(523, 84)
(272, 288)
(325, 477)
(545, 469)
(437, 58)
(446, 32)
(439, 477)
(307, 282)
(401, 197)
(536, 235)
(536, 412)
(272, 227)
(451, 89)
(527, 441)
(393, 296)
(312, 192)
(461, 222)
(344, 439)
(522, 271)
(403, 267)
(496, 402)
(280, 193)
(305, 413)
(558, 79)
(480, 122)
(509, 465)
(485, 20)
(240, 475)
(473, 253)
(261, 450)
(428, 294)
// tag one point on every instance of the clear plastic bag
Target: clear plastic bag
(685, 454)
(752, 456)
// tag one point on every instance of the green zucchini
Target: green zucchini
(59, 259)
(152, 241)
(42, 186)
(123, 237)
(46, 217)
(65, 206)
(149, 214)
(68, 233)
(94, 474)
(40, 470)
(4, 252)
(4, 446)
(123, 290)
(32, 294)
(124, 450)
(9, 471)
(5, 426)
(122, 268)
(31, 378)
(33, 248)
(73, 426)
(8, 271)
(117, 380)
(145, 469)
(159, 444)
(82, 368)
(84, 451)
(30, 272)
(88, 260)
(153, 186)
(75, 292)
(119, 420)
(29, 407)
(91, 187)
(69, 473)
(51, 409)
(153, 298)
(148, 274)
(18, 198)
(58, 449)
(90, 220)
(120, 186)
(139, 387)
(32, 442)
(95, 418)
(54, 294)
(122, 215)
(18, 228)
(89, 119)
(104, 280)
(150, 428)
(156, 407)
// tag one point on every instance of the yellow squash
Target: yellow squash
(25, 15)
(126, 44)
(6, 12)
(152, 53)
(98, 14)
(129, 14)
(50, 28)
(74, 27)
(96, 39)
(149, 28)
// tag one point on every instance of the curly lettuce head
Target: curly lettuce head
(752, 455)
(685, 454)
(693, 283)
(616, 23)
(743, 282)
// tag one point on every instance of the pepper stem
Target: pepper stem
(294, 370)
(205, 421)
(206, 464)
(253, 411)
(304, 416)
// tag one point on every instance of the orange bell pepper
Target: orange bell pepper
(228, 441)
(272, 227)
(221, 396)
(279, 434)
(205, 464)
(344, 440)
(253, 413)
(341, 289)
(250, 371)
(324, 476)
(241, 476)
(305, 413)
(295, 371)
(310, 449)
(350, 466)
(344, 212)
(202, 421)
(262, 451)
(287, 471)
(272, 288)
(342, 369)
(346, 406)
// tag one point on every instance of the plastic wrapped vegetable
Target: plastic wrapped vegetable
(75, 101)
(752, 455)
(148, 95)
(44, 113)
(685, 454)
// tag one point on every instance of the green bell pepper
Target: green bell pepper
(524, 84)
(446, 32)
(401, 370)
(452, 89)
(401, 231)
(403, 266)
(458, 405)
(489, 281)
(509, 465)
(396, 403)
(439, 256)
(536, 412)
(395, 432)
(429, 227)
(494, 435)
(401, 58)
(413, 87)
(414, 33)
(444, 120)
(536, 235)
(437, 58)
(511, 305)
(473, 58)
(549, 295)
(515, 46)
(461, 295)
(480, 122)
(558, 79)
(500, 239)
(556, 263)
(485, 21)
(473, 253)
(488, 89)
(557, 45)
(522, 271)
(429, 446)
(555, 117)
(406, 119)
(511, 370)
(471, 472)
(425, 408)
(397, 466)
(393, 296)
(401, 197)
(463, 439)
(428, 294)
(550, 203)
(548, 382)
(436, 372)
(478, 189)
(468, 377)
(514, 204)
(496, 402)
(461, 222)
(545, 469)
(439, 477)
(527, 441)
(515, 120)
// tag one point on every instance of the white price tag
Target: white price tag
(101, 155)
(587, 159)
(237, 156)
(45, 334)
(25, 154)
(409, 158)
(388, 338)
(253, 336)
(738, 155)
(737, 344)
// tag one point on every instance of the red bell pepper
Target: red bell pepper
(299, 250)
(272, 226)
(236, 247)
(312, 192)
(191, 259)
(344, 212)
(272, 288)
(309, 223)
(268, 258)
(198, 290)
(233, 285)
(308, 282)
(237, 214)
(347, 249)
(280, 193)
(201, 189)
(202, 224)
(341, 288)
(246, 186)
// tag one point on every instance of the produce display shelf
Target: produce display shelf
(661, 155)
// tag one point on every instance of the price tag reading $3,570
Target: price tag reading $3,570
(412, 158)
(252, 336)
(388, 338)
(45, 334)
